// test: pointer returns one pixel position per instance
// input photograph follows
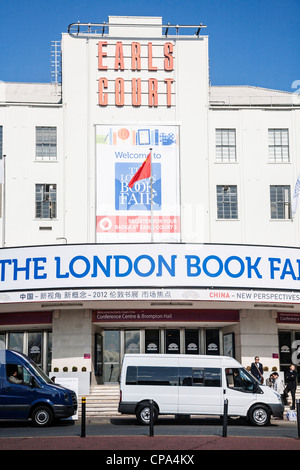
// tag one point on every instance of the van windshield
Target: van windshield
(40, 373)
(240, 379)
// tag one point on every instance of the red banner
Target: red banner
(288, 317)
(166, 315)
(26, 318)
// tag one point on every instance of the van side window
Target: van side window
(239, 379)
(17, 374)
(14, 373)
(143, 375)
(131, 375)
(170, 376)
(200, 376)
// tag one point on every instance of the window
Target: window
(132, 341)
(45, 201)
(2, 341)
(173, 376)
(46, 148)
(191, 342)
(212, 342)
(280, 197)
(227, 202)
(172, 341)
(225, 145)
(17, 374)
(279, 145)
(35, 347)
(152, 341)
(200, 377)
(240, 379)
(16, 341)
(143, 375)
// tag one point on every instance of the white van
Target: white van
(193, 385)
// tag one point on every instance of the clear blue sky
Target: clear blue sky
(251, 42)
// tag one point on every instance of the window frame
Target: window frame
(45, 143)
(232, 200)
(46, 198)
(278, 206)
(224, 146)
(276, 146)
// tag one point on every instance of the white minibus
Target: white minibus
(193, 385)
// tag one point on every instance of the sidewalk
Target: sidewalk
(140, 443)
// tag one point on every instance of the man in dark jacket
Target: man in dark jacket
(291, 384)
(257, 369)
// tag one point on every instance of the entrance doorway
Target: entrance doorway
(112, 344)
(289, 350)
(111, 356)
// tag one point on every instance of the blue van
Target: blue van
(26, 392)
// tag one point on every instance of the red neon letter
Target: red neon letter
(119, 92)
(101, 54)
(150, 66)
(169, 59)
(102, 96)
(119, 57)
(136, 92)
(135, 56)
(152, 92)
(169, 82)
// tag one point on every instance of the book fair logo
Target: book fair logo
(139, 196)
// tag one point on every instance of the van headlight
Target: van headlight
(278, 396)
(67, 398)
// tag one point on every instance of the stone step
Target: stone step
(103, 400)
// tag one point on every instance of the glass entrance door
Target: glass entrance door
(285, 349)
(289, 350)
(172, 341)
(132, 342)
(111, 356)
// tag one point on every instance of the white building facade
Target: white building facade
(202, 257)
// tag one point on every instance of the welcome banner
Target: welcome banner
(124, 213)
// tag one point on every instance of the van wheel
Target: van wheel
(143, 414)
(42, 416)
(259, 415)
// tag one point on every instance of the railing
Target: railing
(281, 99)
(102, 29)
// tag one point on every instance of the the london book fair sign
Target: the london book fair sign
(156, 271)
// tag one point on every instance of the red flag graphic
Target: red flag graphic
(143, 172)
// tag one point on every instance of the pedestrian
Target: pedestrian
(278, 386)
(270, 381)
(291, 385)
(257, 370)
